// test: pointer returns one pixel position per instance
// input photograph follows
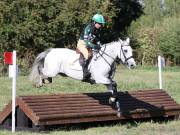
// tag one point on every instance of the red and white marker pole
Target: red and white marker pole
(10, 58)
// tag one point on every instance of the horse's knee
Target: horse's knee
(114, 84)
(113, 90)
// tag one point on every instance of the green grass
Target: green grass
(140, 78)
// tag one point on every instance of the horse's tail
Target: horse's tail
(37, 66)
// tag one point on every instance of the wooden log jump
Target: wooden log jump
(48, 110)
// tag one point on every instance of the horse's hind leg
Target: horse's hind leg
(40, 82)
(47, 80)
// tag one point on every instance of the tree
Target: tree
(31, 26)
(170, 39)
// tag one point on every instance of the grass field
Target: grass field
(140, 78)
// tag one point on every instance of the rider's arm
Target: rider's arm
(89, 44)
(88, 38)
(98, 38)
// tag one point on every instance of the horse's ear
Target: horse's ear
(128, 40)
(120, 40)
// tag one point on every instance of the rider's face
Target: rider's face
(98, 25)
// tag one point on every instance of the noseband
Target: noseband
(126, 58)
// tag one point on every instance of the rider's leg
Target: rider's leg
(82, 48)
(86, 73)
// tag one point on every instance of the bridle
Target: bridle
(126, 58)
(112, 65)
(101, 55)
(101, 52)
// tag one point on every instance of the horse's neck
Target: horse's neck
(107, 55)
(110, 49)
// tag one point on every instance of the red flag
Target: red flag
(8, 57)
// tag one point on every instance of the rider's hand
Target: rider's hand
(97, 47)
(99, 43)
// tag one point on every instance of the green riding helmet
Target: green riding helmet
(98, 18)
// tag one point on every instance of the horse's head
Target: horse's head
(125, 54)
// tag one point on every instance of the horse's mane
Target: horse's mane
(111, 43)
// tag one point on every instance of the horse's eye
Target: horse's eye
(125, 51)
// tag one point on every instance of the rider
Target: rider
(90, 39)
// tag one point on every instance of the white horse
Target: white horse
(65, 61)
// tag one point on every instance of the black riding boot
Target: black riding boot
(86, 73)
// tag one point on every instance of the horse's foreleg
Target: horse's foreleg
(114, 99)
(112, 87)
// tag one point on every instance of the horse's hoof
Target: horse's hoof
(46, 81)
(112, 100)
(119, 114)
(38, 85)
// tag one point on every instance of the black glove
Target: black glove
(99, 43)
(97, 47)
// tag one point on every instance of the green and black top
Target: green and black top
(91, 36)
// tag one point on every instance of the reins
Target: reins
(103, 52)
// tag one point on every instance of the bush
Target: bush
(157, 33)
(146, 45)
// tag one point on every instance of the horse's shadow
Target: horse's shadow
(131, 106)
